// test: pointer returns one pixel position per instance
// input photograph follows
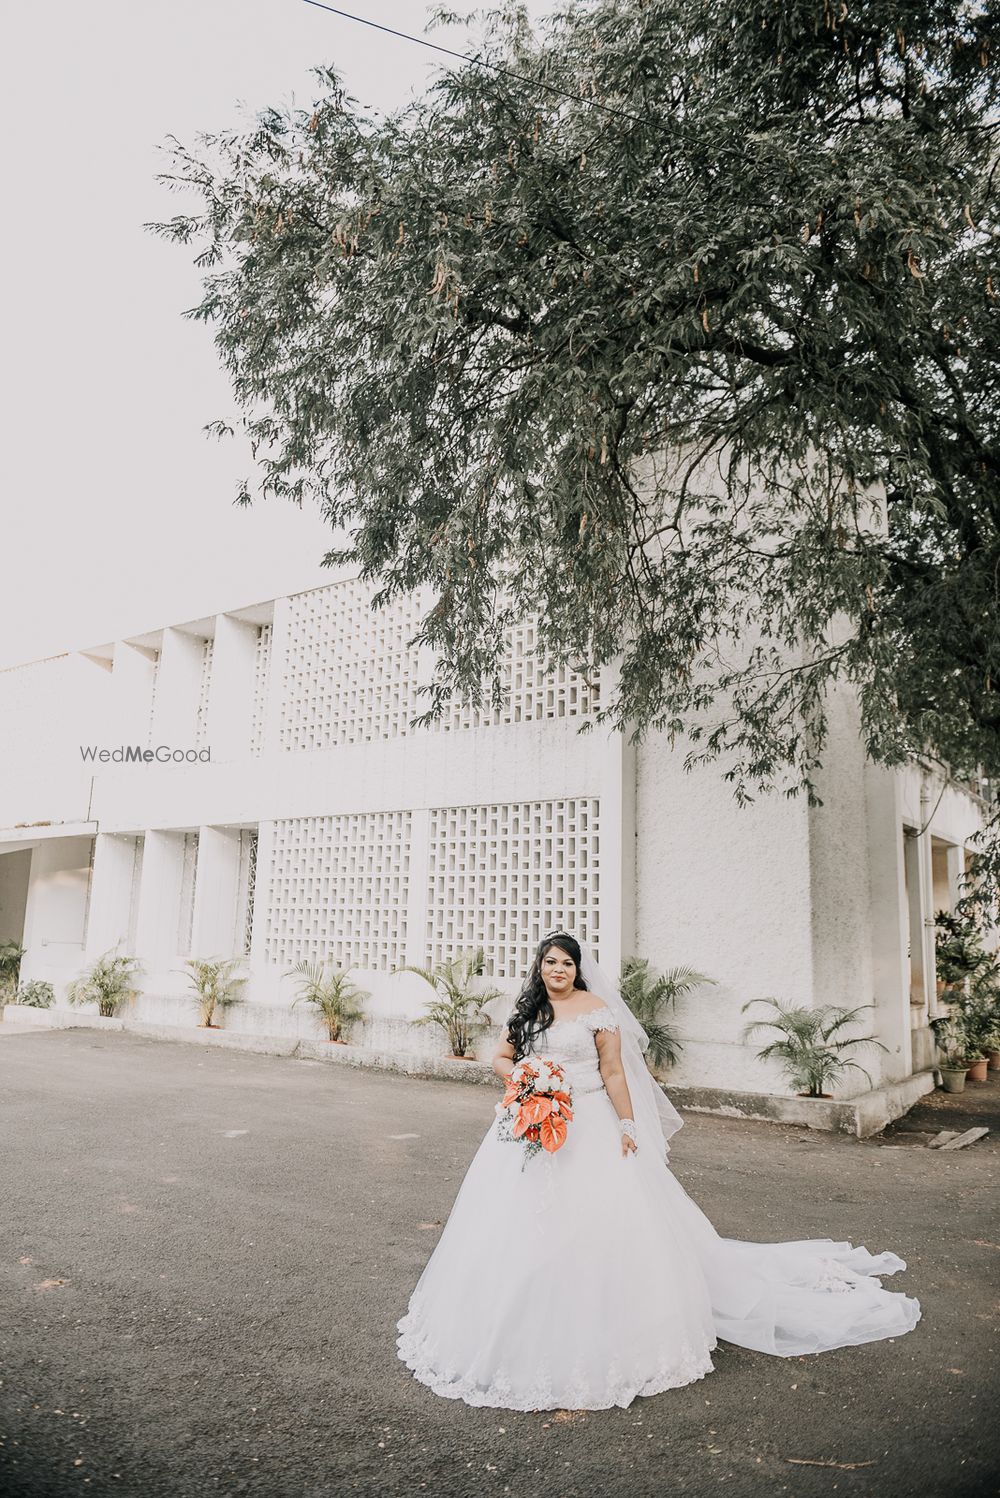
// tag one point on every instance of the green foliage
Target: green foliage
(703, 367)
(648, 995)
(336, 999)
(36, 994)
(217, 984)
(960, 957)
(977, 1018)
(810, 1045)
(971, 978)
(108, 983)
(951, 1042)
(11, 953)
(456, 1008)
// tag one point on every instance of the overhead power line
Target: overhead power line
(480, 62)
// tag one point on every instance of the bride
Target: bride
(582, 1277)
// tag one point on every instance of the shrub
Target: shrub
(11, 953)
(36, 994)
(107, 983)
(455, 1007)
(336, 999)
(216, 985)
(649, 995)
(809, 1044)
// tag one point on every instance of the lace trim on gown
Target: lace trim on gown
(592, 1019)
(416, 1349)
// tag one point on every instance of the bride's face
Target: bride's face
(558, 973)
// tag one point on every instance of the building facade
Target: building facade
(249, 784)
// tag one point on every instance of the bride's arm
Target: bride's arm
(609, 1059)
(503, 1060)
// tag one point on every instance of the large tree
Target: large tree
(675, 322)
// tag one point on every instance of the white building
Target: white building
(285, 810)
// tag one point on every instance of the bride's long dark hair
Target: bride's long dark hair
(533, 1012)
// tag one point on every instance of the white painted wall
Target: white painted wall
(777, 899)
(48, 709)
(726, 891)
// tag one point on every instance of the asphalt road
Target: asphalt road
(203, 1255)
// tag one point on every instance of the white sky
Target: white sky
(117, 508)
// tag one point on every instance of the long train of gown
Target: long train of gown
(588, 1278)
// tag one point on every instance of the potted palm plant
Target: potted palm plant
(811, 1044)
(217, 985)
(649, 997)
(337, 1000)
(952, 1046)
(108, 983)
(456, 1007)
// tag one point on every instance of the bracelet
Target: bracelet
(628, 1127)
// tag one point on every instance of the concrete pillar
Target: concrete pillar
(214, 925)
(159, 900)
(955, 855)
(927, 930)
(274, 709)
(230, 698)
(110, 895)
(890, 920)
(915, 917)
(618, 852)
(132, 675)
(178, 685)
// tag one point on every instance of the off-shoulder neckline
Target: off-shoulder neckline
(575, 1018)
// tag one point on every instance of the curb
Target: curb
(860, 1116)
(431, 1068)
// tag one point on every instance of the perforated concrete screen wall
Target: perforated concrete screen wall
(500, 876)
(339, 889)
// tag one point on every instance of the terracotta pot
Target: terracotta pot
(953, 1079)
(976, 1070)
(993, 1060)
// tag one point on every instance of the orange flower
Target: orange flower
(552, 1132)
(536, 1108)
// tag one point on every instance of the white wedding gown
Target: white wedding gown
(588, 1278)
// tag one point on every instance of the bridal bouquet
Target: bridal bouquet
(536, 1107)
